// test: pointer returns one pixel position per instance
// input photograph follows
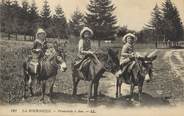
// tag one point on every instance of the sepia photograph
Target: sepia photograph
(92, 57)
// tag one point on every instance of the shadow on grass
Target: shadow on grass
(147, 100)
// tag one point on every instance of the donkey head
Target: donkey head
(112, 61)
(147, 66)
(61, 60)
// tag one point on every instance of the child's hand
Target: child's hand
(132, 55)
(90, 52)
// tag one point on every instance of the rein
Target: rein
(53, 62)
(140, 65)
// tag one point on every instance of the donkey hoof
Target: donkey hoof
(42, 99)
(148, 81)
(138, 104)
(31, 95)
(50, 100)
(23, 99)
(74, 94)
(43, 102)
(132, 100)
(117, 95)
(88, 101)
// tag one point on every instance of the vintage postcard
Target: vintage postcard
(92, 57)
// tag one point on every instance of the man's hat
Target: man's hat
(84, 30)
(129, 35)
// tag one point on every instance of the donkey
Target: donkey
(44, 71)
(135, 77)
(95, 70)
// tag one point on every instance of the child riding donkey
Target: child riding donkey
(39, 50)
(84, 51)
(128, 54)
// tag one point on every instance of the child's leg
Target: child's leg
(119, 72)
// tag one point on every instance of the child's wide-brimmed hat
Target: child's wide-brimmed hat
(124, 39)
(40, 30)
(84, 30)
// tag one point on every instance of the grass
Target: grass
(13, 53)
(11, 59)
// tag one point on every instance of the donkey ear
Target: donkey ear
(152, 54)
(153, 57)
(116, 52)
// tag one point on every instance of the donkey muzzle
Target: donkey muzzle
(63, 67)
(34, 67)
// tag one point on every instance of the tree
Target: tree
(146, 35)
(45, 15)
(60, 24)
(7, 17)
(179, 29)
(33, 19)
(121, 31)
(155, 25)
(24, 18)
(76, 23)
(15, 18)
(101, 20)
(2, 16)
(173, 28)
(10, 17)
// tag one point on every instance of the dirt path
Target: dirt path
(167, 84)
(176, 61)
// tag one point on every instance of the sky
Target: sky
(133, 13)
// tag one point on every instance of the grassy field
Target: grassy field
(167, 86)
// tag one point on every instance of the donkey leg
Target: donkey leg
(25, 88)
(90, 92)
(51, 87)
(131, 92)
(75, 83)
(117, 88)
(51, 91)
(30, 85)
(43, 90)
(93, 77)
(140, 93)
(120, 83)
(31, 90)
(96, 89)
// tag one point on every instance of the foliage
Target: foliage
(60, 24)
(101, 20)
(165, 23)
(76, 23)
(45, 15)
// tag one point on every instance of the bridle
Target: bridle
(112, 62)
(143, 64)
(55, 62)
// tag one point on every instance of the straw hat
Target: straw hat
(84, 30)
(129, 35)
(40, 30)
